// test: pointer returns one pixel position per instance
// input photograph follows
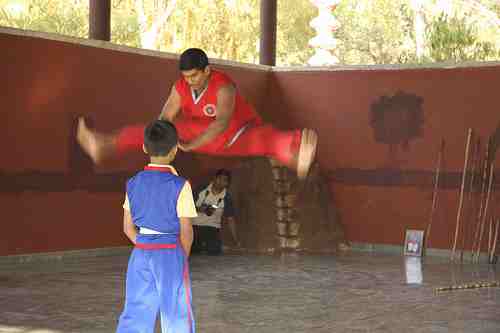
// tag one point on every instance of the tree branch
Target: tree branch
(139, 7)
(158, 22)
(485, 11)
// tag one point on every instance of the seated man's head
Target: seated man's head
(160, 141)
(194, 67)
(222, 180)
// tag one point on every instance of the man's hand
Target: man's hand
(208, 210)
(225, 108)
(185, 146)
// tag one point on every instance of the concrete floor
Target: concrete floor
(355, 292)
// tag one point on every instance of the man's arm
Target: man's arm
(231, 222)
(129, 226)
(225, 108)
(197, 191)
(172, 106)
(186, 235)
(228, 218)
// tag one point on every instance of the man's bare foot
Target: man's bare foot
(89, 141)
(343, 246)
(307, 152)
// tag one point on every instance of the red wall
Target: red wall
(53, 199)
(51, 196)
(379, 193)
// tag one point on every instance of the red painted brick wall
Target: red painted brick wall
(54, 199)
(379, 193)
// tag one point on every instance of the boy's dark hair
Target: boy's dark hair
(193, 59)
(223, 172)
(160, 137)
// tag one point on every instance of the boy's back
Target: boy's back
(157, 211)
(153, 198)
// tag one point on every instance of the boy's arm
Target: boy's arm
(128, 225)
(185, 210)
(186, 234)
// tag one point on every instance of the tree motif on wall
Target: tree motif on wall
(398, 119)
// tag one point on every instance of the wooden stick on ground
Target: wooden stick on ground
(461, 199)
(471, 285)
(434, 194)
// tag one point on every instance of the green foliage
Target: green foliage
(371, 31)
(374, 32)
(124, 24)
(452, 39)
(62, 17)
(293, 32)
(227, 29)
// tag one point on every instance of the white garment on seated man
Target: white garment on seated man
(207, 197)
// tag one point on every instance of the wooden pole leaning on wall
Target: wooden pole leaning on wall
(474, 196)
(485, 213)
(435, 193)
(494, 246)
(490, 237)
(461, 198)
(469, 201)
(482, 198)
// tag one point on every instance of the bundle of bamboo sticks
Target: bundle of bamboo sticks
(475, 224)
(475, 198)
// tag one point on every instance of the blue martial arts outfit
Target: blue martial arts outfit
(158, 272)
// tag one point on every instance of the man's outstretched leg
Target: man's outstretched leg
(294, 149)
(100, 146)
(97, 145)
(307, 152)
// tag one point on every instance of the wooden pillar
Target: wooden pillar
(268, 26)
(100, 19)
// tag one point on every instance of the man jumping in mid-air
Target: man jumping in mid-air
(213, 118)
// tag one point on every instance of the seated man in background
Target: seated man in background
(215, 209)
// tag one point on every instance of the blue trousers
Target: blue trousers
(157, 281)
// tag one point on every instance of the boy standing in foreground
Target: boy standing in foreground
(157, 211)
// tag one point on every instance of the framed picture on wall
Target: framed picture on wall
(414, 241)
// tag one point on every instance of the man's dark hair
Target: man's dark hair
(160, 137)
(223, 172)
(193, 59)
